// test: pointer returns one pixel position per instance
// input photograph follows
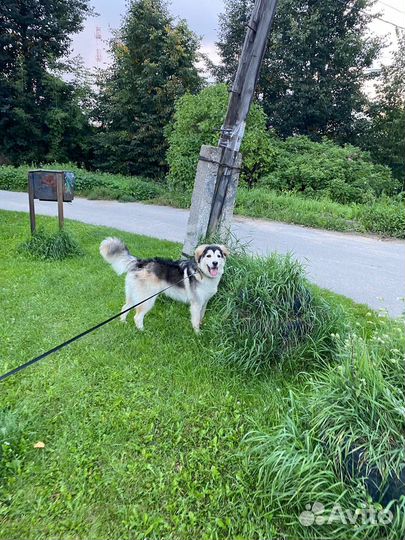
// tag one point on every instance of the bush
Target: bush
(197, 121)
(342, 441)
(51, 246)
(344, 174)
(267, 313)
(14, 178)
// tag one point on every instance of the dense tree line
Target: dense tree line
(311, 82)
(40, 113)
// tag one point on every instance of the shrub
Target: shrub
(14, 178)
(342, 441)
(268, 313)
(198, 121)
(344, 174)
(51, 246)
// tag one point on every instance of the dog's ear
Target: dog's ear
(199, 251)
(224, 250)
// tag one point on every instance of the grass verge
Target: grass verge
(384, 216)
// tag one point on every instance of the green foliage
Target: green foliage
(42, 115)
(96, 185)
(314, 66)
(267, 314)
(342, 441)
(383, 132)
(386, 218)
(153, 64)
(292, 207)
(198, 121)
(343, 174)
(14, 178)
(51, 246)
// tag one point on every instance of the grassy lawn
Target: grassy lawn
(142, 432)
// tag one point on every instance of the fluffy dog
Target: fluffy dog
(191, 282)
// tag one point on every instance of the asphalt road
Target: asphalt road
(364, 268)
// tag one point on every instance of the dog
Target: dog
(192, 282)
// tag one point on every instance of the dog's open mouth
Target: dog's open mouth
(213, 271)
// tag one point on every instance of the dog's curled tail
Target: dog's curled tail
(115, 252)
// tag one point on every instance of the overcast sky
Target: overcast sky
(202, 17)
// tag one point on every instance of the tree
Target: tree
(154, 64)
(34, 36)
(384, 136)
(314, 67)
(197, 121)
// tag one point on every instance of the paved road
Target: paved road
(366, 269)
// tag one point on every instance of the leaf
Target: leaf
(39, 444)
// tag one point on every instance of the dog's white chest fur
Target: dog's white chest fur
(205, 290)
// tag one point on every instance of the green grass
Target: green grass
(346, 434)
(384, 216)
(142, 431)
(46, 245)
(270, 316)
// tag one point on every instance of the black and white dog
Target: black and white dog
(146, 277)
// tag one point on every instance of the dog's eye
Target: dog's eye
(209, 256)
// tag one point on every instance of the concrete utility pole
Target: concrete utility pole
(218, 168)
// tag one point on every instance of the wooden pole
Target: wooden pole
(59, 192)
(240, 100)
(31, 202)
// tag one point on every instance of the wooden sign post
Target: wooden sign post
(46, 185)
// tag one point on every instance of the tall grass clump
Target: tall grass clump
(342, 442)
(51, 246)
(268, 313)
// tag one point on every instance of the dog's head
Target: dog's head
(210, 259)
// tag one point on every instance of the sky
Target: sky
(202, 18)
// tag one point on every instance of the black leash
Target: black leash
(88, 331)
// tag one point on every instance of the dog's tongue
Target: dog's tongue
(214, 271)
